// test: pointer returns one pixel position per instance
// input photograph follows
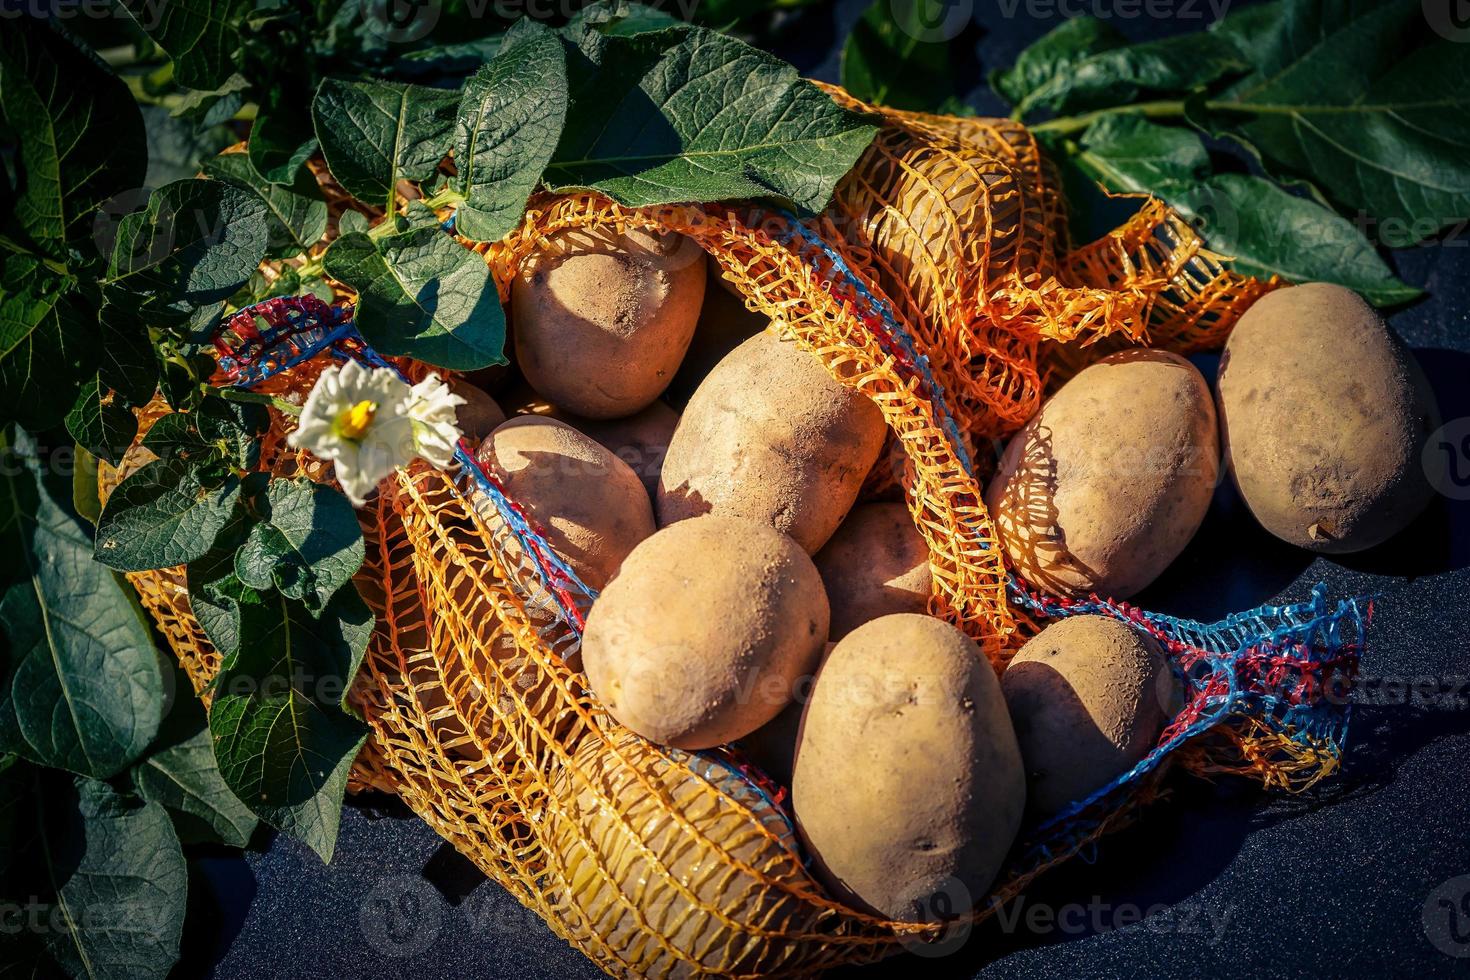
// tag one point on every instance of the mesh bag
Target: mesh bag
(942, 284)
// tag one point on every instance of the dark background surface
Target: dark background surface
(1218, 880)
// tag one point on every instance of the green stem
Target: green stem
(1066, 125)
(255, 398)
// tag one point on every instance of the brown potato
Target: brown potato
(1104, 487)
(1325, 416)
(593, 507)
(908, 781)
(641, 440)
(614, 843)
(479, 415)
(724, 324)
(772, 747)
(1088, 696)
(875, 565)
(704, 633)
(602, 320)
(771, 437)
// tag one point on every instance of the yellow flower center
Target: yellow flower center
(351, 423)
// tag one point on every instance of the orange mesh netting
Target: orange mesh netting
(656, 862)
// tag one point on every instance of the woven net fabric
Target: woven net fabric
(940, 283)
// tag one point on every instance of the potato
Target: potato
(602, 320)
(772, 747)
(724, 324)
(592, 506)
(705, 632)
(1325, 417)
(1104, 487)
(1088, 696)
(908, 781)
(614, 842)
(479, 415)
(771, 437)
(641, 440)
(876, 564)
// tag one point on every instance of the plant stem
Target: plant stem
(1066, 125)
(255, 398)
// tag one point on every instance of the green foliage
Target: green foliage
(296, 213)
(167, 513)
(306, 543)
(81, 686)
(422, 294)
(374, 134)
(102, 875)
(1352, 133)
(889, 60)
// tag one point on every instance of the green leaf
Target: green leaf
(282, 740)
(82, 685)
(86, 498)
(163, 515)
(281, 141)
(1046, 64)
(104, 874)
(508, 125)
(1109, 75)
(1263, 228)
(216, 593)
(622, 17)
(79, 134)
(1335, 99)
(308, 543)
(102, 425)
(685, 114)
(200, 35)
(375, 133)
(234, 429)
(887, 60)
(196, 242)
(422, 295)
(128, 362)
(296, 213)
(48, 342)
(182, 776)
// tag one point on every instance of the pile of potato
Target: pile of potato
(748, 596)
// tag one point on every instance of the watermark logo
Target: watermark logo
(1450, 19)
(1446, 459)
(400, 918)
(931, 21)
(1446, 916)
(400, 21)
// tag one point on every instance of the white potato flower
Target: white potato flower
(369, 421)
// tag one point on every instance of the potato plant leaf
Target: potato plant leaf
(1264, 229)
(1335, 100)
(201, 36)
(1045, 64)
(281, 141)
(180, 774)
(105, 874)
(48, 341)
(163, 515)
(216, 594)
(101, 423)
(887, 59)
(685, 114)
(508, 125)
(307, 542)
(81, 687)
(283, 742)
(296, 212)
(79, 134)
(195, 243)
(375, 133)
(423, 295)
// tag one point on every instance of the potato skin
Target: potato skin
(875, 565)
(602, 322)
(706, 631)
(1325, 416)
(724, 324)
(1088, 697)
(592, 506)
(1104, 487)
(479, 415)
(641, 440)
(771, 437)
(606, 822)
(908, 779)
